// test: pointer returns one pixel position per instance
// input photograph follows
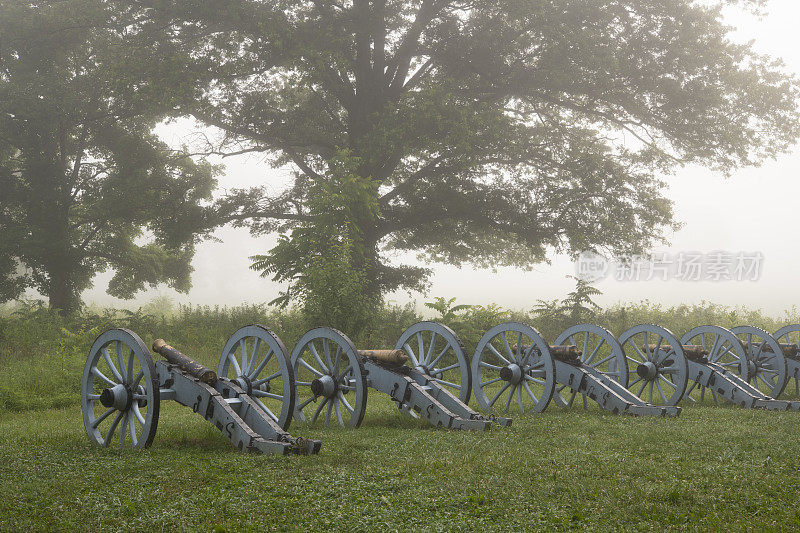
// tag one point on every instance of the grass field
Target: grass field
(711, 468)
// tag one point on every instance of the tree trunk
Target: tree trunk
(61, 294)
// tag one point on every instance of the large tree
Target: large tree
(84, 183)
(491, 132)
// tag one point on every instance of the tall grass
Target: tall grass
(42, 354)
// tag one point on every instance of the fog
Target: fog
(754, 210)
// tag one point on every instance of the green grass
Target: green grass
(711, 468)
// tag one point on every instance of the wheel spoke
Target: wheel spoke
(530, 393)
(319, 410)
(445, 369)
(111, 430)
(506, 345)
(97, 373)
(234, 363)
(132, 430)
(447, 383)
(429, 355)
(411, 354)
(510, 395)
(264, 394)
(313, 350)
(607, 359)
(309, 367)
(495, 380)
(266, 409)
(501, 391)
(346, 403)
(326, 349)
(643, 356)
(328, 413)
(339, 378)
(303, 405)
(535, 380)
(253, 354)
(261, 365)
(497, 353)
(260, 382)
(114, 371)
(121, 360)
(138, 413)
(336, 359)
(661, 392)
(243, 348)
(489, 365)
(668, 382)
(586, 344)
(129, 374)
(338, 412)
(594, 352)
(99, 420)
(438, 357)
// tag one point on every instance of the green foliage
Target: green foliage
(493, 132)
(447, 311)
(37, 341)
(578, 303)
(85, 184)
(324, 259)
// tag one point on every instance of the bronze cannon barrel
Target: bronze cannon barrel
(392, 357)
(692, 351)
(184, 362)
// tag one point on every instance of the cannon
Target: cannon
(514, 358)
(657, 364)
(121, 397)
(765, 366)
(789, 339)
(426, 375)
(718, 362)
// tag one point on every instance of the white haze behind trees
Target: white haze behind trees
(755, 209)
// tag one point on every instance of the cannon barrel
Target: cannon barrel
(184, 362)
(789, 350)
(561, 351)
(392, 357)
(692, 351)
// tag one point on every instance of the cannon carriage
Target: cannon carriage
(121, 396)
(333, 377)
(533, 372)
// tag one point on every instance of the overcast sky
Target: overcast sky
(755, 211)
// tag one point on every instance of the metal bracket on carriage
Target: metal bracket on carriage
(568, 353)
(694, 352)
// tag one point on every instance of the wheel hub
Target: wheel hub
(647, 370)
(244, 383)
(118, 397)
(752, 369)
(324, 386)
(511, 373)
